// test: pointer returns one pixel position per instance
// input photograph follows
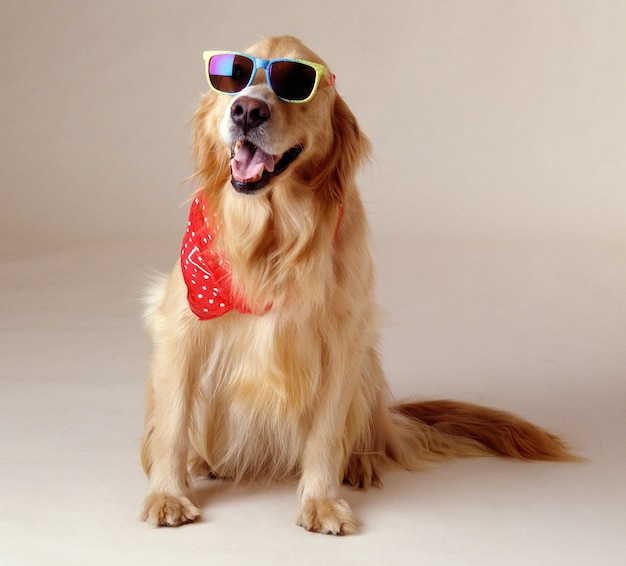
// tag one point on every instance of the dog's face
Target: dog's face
(258, 140)
(263, 135)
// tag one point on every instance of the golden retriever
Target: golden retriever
(265, 364)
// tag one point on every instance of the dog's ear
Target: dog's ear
(211, 161)
(351, 147)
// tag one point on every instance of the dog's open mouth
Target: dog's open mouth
(252, 169)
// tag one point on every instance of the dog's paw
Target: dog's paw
(328, 516)
(163, 510)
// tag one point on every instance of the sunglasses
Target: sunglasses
(292, 80)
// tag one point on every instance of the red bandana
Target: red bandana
(206, 274)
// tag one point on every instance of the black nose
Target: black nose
(249, 113)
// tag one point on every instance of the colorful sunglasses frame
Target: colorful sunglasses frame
(320, 70)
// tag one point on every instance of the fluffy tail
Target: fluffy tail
(464, 429)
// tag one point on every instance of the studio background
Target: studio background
(498, 213)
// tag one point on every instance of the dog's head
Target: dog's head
(253, 141)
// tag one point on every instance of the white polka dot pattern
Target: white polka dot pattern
(207, 275)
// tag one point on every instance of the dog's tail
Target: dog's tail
(416, 435)
(452, 429)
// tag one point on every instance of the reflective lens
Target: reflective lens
(292, 80)
(230, 73)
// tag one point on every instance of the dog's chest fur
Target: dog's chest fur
(254, 398)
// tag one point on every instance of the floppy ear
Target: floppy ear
(351, 147)
(212, 162)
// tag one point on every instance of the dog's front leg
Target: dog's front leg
(323, 462)
(166, 440)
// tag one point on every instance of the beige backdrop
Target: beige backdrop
(490, 120)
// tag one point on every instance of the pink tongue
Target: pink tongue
(248, 163)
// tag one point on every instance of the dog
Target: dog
(265, 363)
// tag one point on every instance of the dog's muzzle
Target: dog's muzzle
(251, 167)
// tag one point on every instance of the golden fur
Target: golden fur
(297, 392)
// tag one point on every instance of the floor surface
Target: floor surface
(536, 330)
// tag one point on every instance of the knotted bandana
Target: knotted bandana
(207, 275)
